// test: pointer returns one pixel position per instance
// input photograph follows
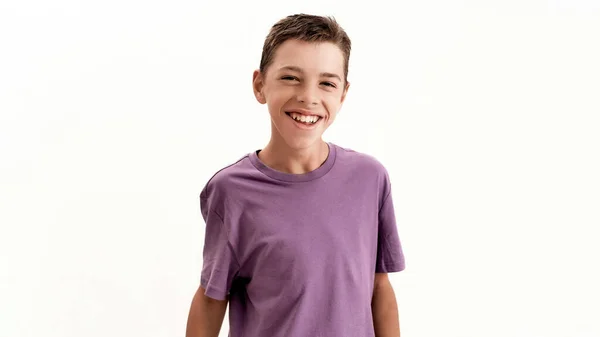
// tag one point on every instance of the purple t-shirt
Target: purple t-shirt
(297, 253)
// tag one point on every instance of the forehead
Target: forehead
(310, 56)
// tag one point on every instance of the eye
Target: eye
(329, 84)
(289, 78)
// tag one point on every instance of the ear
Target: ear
(345, 91)
(258, 85)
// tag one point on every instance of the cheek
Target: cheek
(279, 97)
(333, 105)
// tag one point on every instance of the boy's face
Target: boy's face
(305, 81)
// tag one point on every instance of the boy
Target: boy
(299, 235)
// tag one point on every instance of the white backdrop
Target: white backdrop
(114, 114)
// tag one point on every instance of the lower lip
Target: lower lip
(305, 126)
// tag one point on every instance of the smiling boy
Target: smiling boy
(300, 235)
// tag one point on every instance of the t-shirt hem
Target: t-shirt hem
(391, 268)
(213, 292)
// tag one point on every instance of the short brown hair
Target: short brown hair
(309, 28)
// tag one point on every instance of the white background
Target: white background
(114, 114)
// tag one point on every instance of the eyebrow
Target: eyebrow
(298, 69)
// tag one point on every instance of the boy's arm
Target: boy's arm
(385, 308)
(206, 316)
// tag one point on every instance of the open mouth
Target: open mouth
(303, 119)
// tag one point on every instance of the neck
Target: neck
(281, 157)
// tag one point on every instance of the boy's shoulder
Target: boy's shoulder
(365, 167)
(348, 161)
(223, 178)
(357, 160)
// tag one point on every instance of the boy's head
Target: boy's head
(303, 77)
(308, 28)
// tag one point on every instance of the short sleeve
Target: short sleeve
(390, 257)
(219, 262)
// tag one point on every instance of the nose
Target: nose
(307, 95)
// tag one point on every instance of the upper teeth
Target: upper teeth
(304, 118)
